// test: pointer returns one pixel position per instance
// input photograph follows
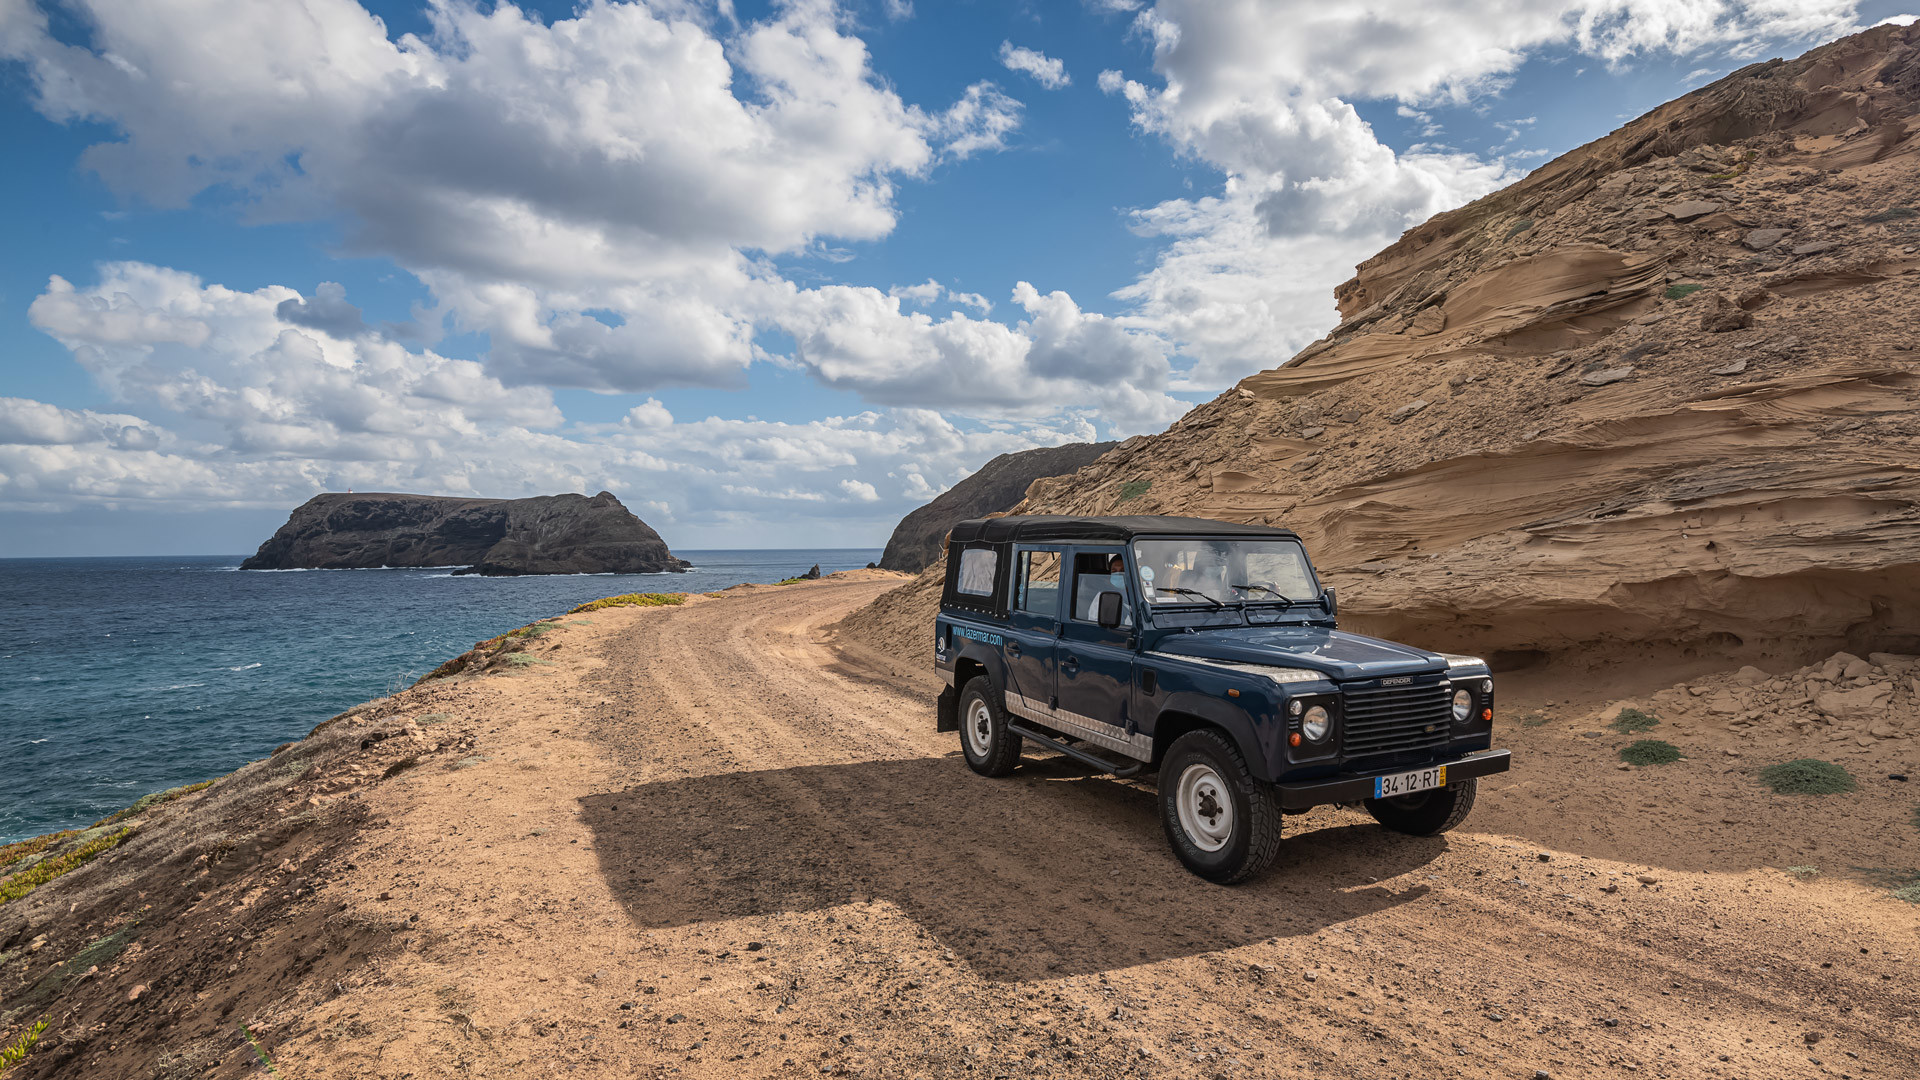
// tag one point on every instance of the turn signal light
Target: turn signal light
(1486, 714)
(1293, 739)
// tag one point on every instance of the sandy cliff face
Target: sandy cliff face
(550, 534)
(1658, 396)
(999, 485)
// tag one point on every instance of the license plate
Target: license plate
(1407, 783)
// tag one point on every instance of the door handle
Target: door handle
(1071, 664)
(1013, 649)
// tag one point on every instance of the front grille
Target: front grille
(1396, 719)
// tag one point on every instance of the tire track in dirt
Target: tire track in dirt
(1053, 874)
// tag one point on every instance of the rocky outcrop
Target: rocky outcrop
(549, 534)
(1657, 399)
(1000, 483)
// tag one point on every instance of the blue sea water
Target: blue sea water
(124, 676)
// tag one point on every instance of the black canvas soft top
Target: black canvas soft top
(1046, 528)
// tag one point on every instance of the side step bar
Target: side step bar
(1051, 743)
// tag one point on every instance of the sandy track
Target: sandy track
(706, 841)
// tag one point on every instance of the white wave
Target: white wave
(191, 685)
(245, 667)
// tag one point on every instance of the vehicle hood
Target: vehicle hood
(1334, 653)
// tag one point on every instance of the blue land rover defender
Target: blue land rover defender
(1209, 650)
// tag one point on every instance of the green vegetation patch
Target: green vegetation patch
(1916, 817)
(1807, 776)
(12, 1053)
(1894, 214)
(1651, 752)
(1518, 227)
(636, 599)
(522, 660)
(1909, 893)
(1681, 292)
(1133, 489)
(148, 802)
(20, 849)
(1535, 719)
(1804, 871)
(24, 882)
(1633, 721)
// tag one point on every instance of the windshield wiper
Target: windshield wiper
(1273, 592)
(1191, 592)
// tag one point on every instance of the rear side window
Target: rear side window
(1037, 588)
(977, 569)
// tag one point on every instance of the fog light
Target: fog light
(1316, 724)
(1462, 706)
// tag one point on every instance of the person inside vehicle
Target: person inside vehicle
(1095, 574)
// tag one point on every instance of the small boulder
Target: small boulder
(1427, 322)
(1857, 669)
(1733, 368)
(1722, 315)
(1750, 676)
(1606, 376)
(1836, 664)
(1694, 208)
(1762, 239)
(1889, 660)
(1817, 247)
(1403, 412)
(1865, 703)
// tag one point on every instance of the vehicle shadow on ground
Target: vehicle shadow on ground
(1040, 875)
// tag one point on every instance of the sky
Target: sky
(772, 273)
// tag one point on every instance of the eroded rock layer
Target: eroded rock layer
(549, 534)
(1659, 395)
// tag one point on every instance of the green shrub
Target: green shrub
(1909, 893)
(1651, 752)
(1681, 292)
(1633, 721)
(1894, 214)
(1133, 489)
(1535, 719)
(39, 874)
(642, 599)
(11, 1053)
(1804, 871)
(522, 660)
(1807, 776)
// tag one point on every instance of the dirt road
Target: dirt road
(702, 841)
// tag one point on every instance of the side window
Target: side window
(977, 567)
(1037, 587)
(1093, 574)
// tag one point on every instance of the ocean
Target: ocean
(123, 676)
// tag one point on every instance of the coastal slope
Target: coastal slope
(549, 534)
(1001, 483)
(1655, 401)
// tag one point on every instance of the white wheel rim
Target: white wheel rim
(979, 729)
(1206, 809)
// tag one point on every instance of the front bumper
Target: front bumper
(1353, 789)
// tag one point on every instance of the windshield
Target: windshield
(1223, 571)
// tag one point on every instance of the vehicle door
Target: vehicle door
(1095, 672)
(1033, 630)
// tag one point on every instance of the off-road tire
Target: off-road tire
(1251, 837)
(1426, 813)
(994, 751)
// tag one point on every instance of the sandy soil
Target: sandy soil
(703, 841)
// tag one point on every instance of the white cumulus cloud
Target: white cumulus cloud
(1048, 71)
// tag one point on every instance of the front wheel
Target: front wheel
(991, 749)
(1223, 824)
(1425, 813)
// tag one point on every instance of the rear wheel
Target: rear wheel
(1223, 824)
(1425, 813)
(991, 749)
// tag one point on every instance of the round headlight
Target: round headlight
(1462, 705)
(1316, 723)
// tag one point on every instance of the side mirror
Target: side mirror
(1329, 601)
(1109, 610)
